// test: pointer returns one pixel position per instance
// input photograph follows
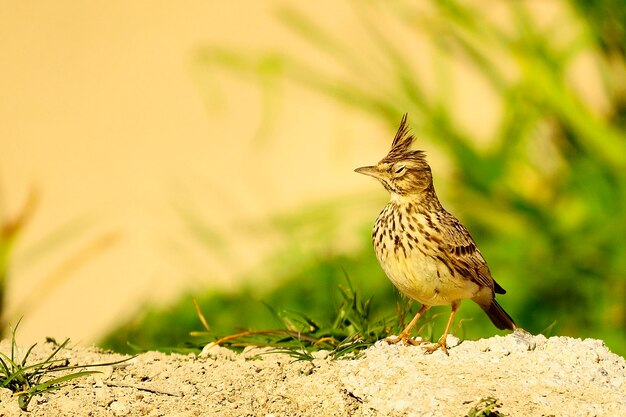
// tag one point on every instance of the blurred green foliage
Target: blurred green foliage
(12, 264)
(544, 195)
(10, 229)
(311, 290)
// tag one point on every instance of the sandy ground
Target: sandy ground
(529, 376)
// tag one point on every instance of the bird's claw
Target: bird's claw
(441, 344)
(406, 338)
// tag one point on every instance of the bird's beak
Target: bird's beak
(372, 171)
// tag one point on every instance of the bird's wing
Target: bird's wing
(461, 251)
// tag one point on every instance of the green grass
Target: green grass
(486, 407)
(27, 380)
(351, 330)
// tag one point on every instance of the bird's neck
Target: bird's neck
(426, 198)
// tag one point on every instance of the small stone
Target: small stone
(321, 354)
(118, 408)
(216, 351)
(452, 341)
(524, 339)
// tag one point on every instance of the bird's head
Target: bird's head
(403, 171)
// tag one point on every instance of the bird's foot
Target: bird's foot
(441, 344)
(404, 337)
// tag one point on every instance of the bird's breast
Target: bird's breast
(407, 249)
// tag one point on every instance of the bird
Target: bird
(424, 250)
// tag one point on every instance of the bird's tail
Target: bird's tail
(498, 316)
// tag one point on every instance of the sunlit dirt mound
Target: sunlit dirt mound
(513, 375)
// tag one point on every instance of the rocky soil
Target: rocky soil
(524, 375)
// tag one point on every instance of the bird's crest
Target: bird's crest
(401, 145)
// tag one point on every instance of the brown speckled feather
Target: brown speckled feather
(461, 249)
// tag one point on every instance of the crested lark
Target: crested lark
(424, 250)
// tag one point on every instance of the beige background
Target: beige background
(106, 113)
(103, 111)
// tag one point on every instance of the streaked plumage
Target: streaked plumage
(424, 250)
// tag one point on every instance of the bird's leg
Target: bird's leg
(441, 343)
(405, 336)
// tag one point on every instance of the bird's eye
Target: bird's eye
(399, 169)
